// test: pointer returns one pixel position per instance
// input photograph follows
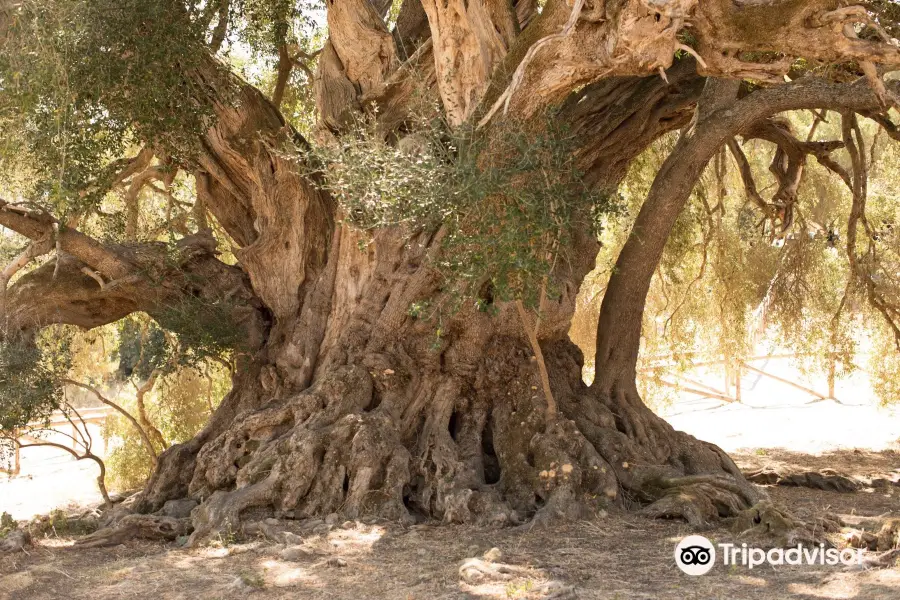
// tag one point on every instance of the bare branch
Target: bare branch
(788, 166)
(140, 393)
(86, 442)
(285, 67)
(148, 445)
(747, 177)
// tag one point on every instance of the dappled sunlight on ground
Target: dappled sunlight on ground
(881, 583)
(622, 555)
(350, 539)
(285, 574)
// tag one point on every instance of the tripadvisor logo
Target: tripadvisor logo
(696, 555)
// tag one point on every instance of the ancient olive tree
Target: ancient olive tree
(399, 286)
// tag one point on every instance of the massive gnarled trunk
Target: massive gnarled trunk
(355, 407)
(351, 404)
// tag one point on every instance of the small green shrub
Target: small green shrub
(58, 524)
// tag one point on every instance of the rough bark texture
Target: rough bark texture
(89, 284)
(392, 425)
(353, 405)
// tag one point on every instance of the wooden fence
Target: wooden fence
(734, 371)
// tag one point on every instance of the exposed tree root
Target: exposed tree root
(766, 521)
(874, 536)
(394, 440)
(149, 527)
(701, 499)
(826, 479)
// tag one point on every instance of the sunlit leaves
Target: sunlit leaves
(79, 80)
(30, 374)
(507, 204)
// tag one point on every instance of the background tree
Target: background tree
(158, 391)
(348, 397)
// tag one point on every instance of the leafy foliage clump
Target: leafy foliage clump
(7, 524)
(59, 524)
(202, 329)
(29, 381)
(142, 348)
(507, 205)
(195, 330)
(82, 80)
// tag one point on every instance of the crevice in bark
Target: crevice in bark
(453, 425)
(491, 465)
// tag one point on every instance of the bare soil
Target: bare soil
(619, 555)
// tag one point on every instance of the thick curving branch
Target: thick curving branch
(615, 119)
(253, 181)
(356, 62)
(619, 326)
(571, 46)
(788, 165)
(91, 284)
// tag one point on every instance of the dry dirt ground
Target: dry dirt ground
(620, 555)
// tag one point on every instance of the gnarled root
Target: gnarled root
(221, 513)
(826, 479)
(864, 535)
(387, 436)
(765, 520)
(149, 527)
(886, 542)
(319, 453)
(701, 499)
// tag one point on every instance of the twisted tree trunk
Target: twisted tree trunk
(355, 407)
(346, 402)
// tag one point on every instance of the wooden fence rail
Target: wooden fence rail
(734, 370)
